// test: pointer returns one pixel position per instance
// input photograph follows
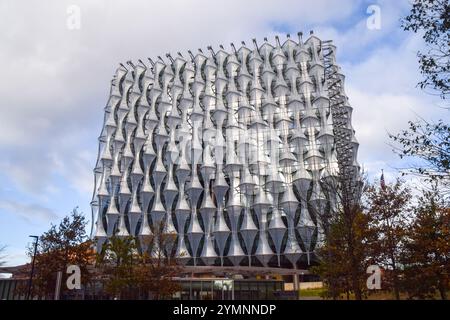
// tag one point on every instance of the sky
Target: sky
(56, 71)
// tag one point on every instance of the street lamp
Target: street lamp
(30, 282)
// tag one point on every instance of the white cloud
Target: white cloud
(382, 90)
(14, 256)
(55, 81)
(381, 72)
(29, 212)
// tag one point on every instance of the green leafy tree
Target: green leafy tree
(117, 261)
(147, 271)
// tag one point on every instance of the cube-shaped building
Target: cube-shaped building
(235, 152)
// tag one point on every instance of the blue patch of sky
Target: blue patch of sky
(394, 38)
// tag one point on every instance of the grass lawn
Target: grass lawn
(380, 295)
(311, 292)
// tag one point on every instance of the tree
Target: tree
(427, 257)
(388, 207)
(117, 261)
(432, 17)
(147, 270)
(430, 142)
(62, 245)
(343, 257)
(159, 265)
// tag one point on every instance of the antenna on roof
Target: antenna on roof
(255, 44)
(277, 40)
(169, 57)
(233, 47)
(211, 49)
(300, 36)
(151, 61)
(288, 36)
(192, 56)
(311, 32)
(200, 50)
(243, 43)
(221, 47)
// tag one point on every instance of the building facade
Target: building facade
(236, 152)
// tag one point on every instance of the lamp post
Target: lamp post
(30, 282)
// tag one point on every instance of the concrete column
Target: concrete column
(296, 282)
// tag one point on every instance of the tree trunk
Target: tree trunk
(354, 269)
(442, 288)
(394, 274)
(396, 290)
(357, 289)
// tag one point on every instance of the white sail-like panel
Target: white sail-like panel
(238, 153)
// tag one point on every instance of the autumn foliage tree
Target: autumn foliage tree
(388, 205)
(427, 250)
(62, 245)
(343, 257)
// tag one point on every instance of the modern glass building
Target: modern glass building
(237, 152)
(227, 289)
(190, 289)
